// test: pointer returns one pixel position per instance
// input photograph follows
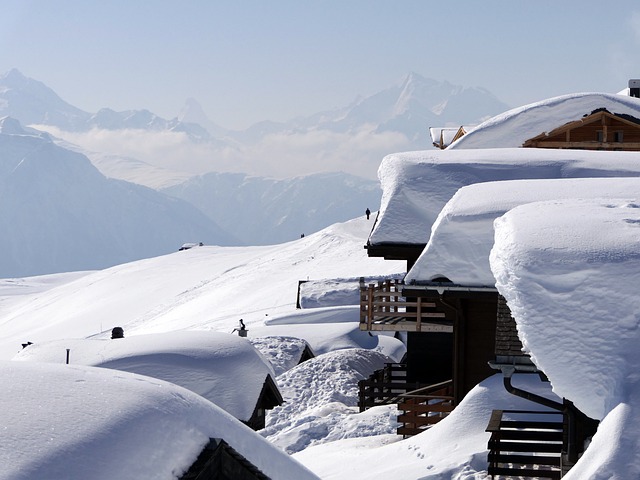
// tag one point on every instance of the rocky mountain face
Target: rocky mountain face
(262, 211)
(58, 213)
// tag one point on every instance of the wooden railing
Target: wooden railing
(382, 307)
(525, 444)
(423, 407)
(384, 386)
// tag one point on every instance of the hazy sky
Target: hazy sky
(252, 60)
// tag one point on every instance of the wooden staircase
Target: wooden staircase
(424, 407)
(419, 405)
(384, 386)
(525, 444)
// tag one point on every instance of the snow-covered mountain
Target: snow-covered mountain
(262, 211)
(141, 147)
(109, 119)
(32, 102)
(409, 107)
(58, 213)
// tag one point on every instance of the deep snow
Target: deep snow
(568, 268)
(76, 422)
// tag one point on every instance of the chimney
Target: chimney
(117, 332)
(634, 88)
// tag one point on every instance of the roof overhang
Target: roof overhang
(449, 289)
(395, 251)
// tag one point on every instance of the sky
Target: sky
(246, 61)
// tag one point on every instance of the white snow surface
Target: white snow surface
(207, 363)
(454, 448)
(417, 185)
(327, 334)
(282, 352)
(569, 270)
(206, 288)
(462, 236)
(514, 127)
(76, 422)
(322, 395)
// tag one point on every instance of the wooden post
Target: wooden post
(370, 306)
(419, 314)
(363, 300)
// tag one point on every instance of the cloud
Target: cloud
(278, 155)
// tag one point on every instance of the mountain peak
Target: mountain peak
(192, 112)
(413, 78)
(32, 102)
(14, 77)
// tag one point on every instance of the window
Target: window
(617, 136)
(599, 135)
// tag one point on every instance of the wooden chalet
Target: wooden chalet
(451, 338)
(599, 130)
(442, 137)
(220, 461)
(459, 336)
(269, 398)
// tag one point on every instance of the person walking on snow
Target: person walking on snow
(368, 212)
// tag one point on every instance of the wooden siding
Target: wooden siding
(600, 130)
(475, 342)
(507, 342)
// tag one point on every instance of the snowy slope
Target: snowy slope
(201, 288)
(262, 211)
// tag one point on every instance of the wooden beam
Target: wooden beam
(407, 327)
(626, 146)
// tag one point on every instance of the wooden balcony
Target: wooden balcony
(384, 308)
(419, 406)
(384, 386)
(424, 407)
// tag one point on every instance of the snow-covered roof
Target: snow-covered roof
(223, 368)
(328, 329)
(322, 391)
(462, 235)
(569, 271)
(73, 422)
(512, 128)
(442, 136)
(416, 185)
(283, 352)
